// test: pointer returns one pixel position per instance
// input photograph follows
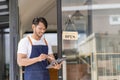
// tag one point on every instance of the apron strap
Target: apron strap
(30, 40)
(45, 41)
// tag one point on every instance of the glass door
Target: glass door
(74, 30)
(90, 29)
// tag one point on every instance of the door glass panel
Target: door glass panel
(106, 21)
(97, 23)
(74, 21)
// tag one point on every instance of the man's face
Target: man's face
(39, 30)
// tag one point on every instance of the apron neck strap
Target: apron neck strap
(30, 40)
(45, 41)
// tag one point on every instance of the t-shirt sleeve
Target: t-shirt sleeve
(23, 46)
(50, 51)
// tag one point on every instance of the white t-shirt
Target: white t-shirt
(24, 45)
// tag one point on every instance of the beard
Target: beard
(38, 34)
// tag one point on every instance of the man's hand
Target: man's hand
(57, 66)
(42, 57)
(50, 57)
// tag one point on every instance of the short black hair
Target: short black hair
(36, 21)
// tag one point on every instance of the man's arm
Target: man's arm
(22, 59)
(50, 57)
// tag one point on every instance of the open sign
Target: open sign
(70, 35)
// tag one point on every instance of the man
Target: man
(34, 51)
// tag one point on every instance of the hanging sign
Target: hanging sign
(70, 35)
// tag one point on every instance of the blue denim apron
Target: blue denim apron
(37, 71)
